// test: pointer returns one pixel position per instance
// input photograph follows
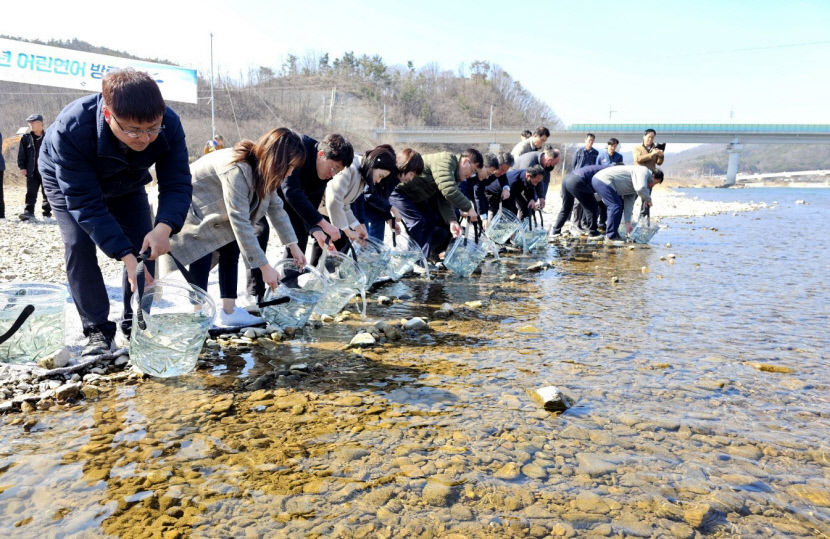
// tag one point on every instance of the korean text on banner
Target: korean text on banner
(31, 63)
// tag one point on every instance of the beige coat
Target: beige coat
(341, 192)
(224, 208)
(647, 158)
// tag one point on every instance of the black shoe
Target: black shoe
(27, 216)
(47, 215)
(98, 344)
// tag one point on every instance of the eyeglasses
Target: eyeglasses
(152, 132)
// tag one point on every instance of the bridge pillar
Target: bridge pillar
(734, 151)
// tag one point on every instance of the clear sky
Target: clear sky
(655, 62)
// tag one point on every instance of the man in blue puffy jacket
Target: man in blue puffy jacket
(94, 162)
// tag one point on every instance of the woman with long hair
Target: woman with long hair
(234, 188)
(374, 171)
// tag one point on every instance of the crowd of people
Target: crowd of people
(92, 165)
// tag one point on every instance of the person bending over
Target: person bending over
(233, 189)
(302, 191)
(369, 171)
(94, 162)
(428, 201)
(577, 185)
(619, 187)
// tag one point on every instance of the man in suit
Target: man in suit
(548, 158)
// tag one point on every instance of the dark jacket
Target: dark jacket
(375, 199)
(586, 173)
(86, 163)
(585, 157)
(303, 190)
(527, 160)
(521, 192)
(27, 153)
(2, 161)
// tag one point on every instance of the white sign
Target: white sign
(65, 68)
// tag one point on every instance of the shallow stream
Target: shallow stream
(700, 374)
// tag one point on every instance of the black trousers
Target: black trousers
(86, 283)
(34, 183)
(228, 270)
(573, 187)
(2, 203)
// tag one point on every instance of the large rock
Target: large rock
(552, 399)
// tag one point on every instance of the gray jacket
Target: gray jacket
(224, 209)
(523, 147)
(628, 181)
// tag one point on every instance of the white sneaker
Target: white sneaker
(239, 318)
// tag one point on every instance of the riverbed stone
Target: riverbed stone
(436, 494)
(509, 471)
(416, 323)
(590, 502)
(551, 398)
(811, 493)
(68, 391)
(534, 471)
(594, 464)
(700, 515)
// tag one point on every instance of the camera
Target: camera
(661, 146)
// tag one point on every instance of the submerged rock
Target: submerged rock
(415, 323)
(446, 311)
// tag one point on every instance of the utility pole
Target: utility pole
(384, 116)
(331, 104)
(611, 112)
(212, 105)
(491, 117)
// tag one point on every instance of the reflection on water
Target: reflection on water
(675, 429)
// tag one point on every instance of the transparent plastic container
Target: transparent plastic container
(403, 256)
(168, 336)
(345, 280)
(42, 332)
(466, 254)
(372, 257)
(644, 231)
(530, 236)
(300, 290)
(502, 227)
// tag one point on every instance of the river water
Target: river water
(699, 370)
